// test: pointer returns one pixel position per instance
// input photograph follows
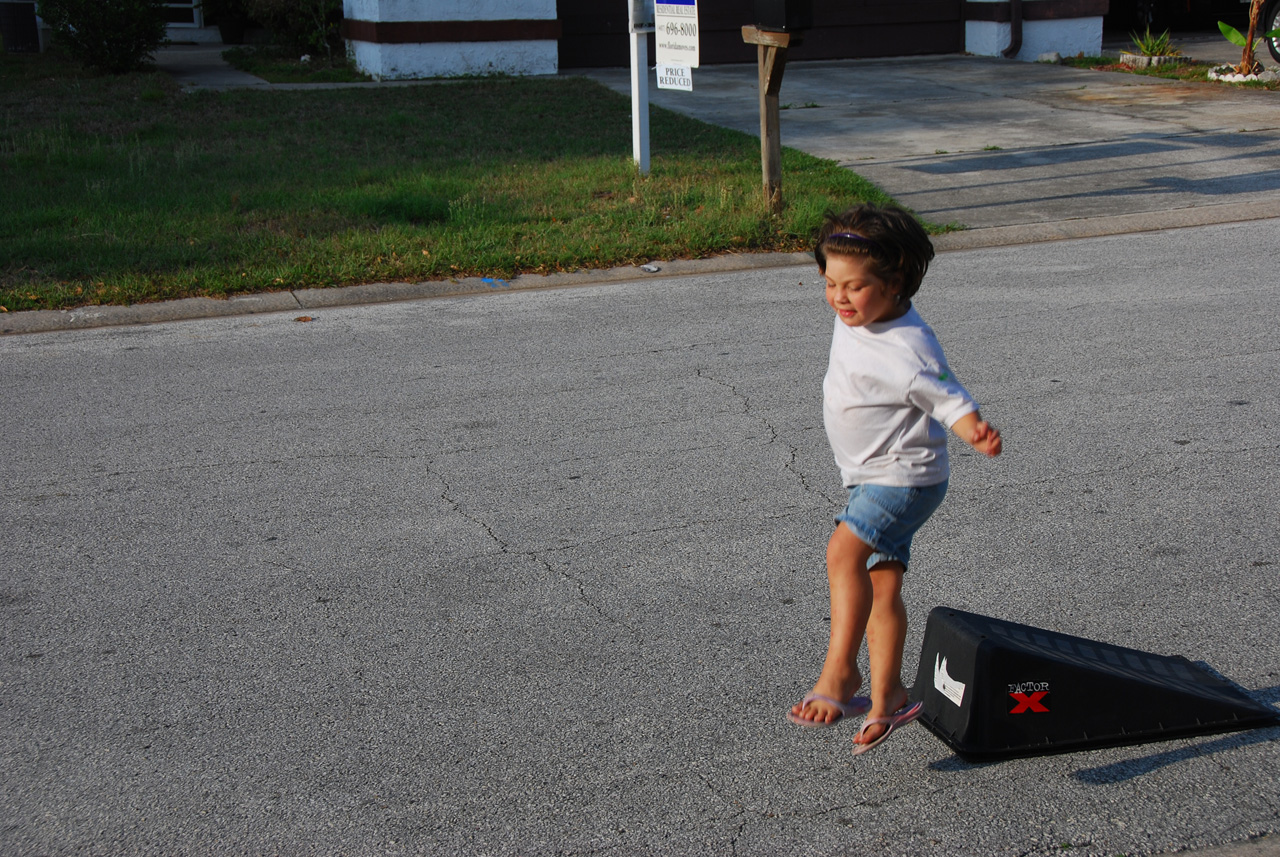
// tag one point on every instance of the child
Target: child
(887, 389)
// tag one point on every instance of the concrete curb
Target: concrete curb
(1263, 846)
(81, 318)
(1115, 224)
(186, 309)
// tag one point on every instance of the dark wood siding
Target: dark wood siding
(842, 29)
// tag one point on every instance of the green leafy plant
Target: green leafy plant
(218, 10)
(1248, 65)
(114, 36)
(304, 26)
(1149, 45)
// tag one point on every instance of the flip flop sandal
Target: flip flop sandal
(901, 717)
(855, 707)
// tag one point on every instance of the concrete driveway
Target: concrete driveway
(984, 142)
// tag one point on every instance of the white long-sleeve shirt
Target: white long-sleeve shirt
(887, 394)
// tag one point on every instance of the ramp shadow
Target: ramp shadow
(1120, 772)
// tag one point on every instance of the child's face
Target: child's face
(858, 296)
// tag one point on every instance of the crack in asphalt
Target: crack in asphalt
(774, 435)
(505, 549)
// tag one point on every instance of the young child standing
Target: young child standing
(887, 394)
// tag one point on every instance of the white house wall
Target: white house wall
(412, 60)
(449, 10)
(1068, 36)
(444, 59)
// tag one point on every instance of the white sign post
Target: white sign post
(641, 17)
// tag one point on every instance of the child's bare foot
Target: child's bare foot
(830, 701)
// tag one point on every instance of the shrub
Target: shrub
(114, 36)
(222, 11)
(1150, 45)
(304, 26)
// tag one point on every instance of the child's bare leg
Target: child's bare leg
(851, 596)
(886, 637)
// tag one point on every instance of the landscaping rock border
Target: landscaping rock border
(1143, 61)
(1227, 74)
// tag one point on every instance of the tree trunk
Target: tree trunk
(1247, 61)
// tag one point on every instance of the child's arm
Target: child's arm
(982, 436)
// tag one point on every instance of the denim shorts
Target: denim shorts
(886, 517)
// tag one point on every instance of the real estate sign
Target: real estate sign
(675, 77)
(676, 25)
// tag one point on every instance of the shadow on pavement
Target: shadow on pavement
(1118, 772)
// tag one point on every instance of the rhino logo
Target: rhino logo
(944, 683)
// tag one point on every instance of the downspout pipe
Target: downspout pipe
(1015, 29)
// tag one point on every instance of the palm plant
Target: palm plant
(1152, 45)
(1248, 65)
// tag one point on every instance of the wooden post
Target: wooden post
(771, 53)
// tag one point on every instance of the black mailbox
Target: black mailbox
(784, 15)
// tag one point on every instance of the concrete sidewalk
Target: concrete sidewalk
(202, 67)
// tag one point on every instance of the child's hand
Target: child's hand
(981, 435)
(986, 439)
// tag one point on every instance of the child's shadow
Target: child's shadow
(1131, 768)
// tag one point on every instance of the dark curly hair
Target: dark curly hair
(897, 247)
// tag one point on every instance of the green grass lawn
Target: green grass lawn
(124, 189)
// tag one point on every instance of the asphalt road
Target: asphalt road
(540, 572)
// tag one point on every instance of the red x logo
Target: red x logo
(1030, 702)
